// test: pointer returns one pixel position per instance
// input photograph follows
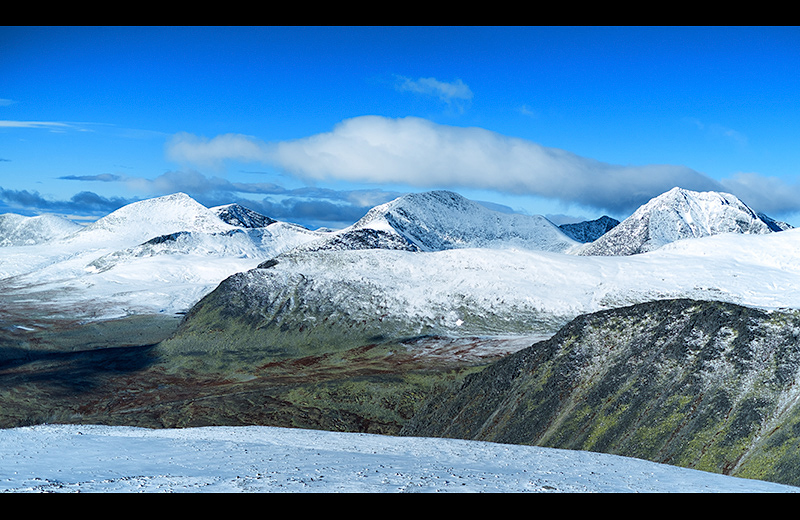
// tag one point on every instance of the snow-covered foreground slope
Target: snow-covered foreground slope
(58, 458)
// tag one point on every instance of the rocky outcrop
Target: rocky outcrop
(239, 216)
(590, 230)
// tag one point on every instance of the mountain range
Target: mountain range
(377, 327)
(319, 296)
(164, 254)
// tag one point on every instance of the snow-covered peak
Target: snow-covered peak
(239, 216)
(439, 220)
(19, 230)
(145, 219)
(676, 215)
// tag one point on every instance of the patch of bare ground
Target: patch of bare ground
(45, 376)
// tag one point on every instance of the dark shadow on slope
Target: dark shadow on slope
(80, 371)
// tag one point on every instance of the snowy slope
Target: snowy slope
(439, 220)
(57, 458)
(155, 256)
(491, 292)
(678, 214)
(18, 230)
(143, 220)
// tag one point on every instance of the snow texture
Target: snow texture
(18, 230)
(60, 458)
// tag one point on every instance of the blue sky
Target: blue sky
(316, 125)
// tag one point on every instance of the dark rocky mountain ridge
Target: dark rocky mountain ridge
(589, 230)
(705, 385)
(240, 216)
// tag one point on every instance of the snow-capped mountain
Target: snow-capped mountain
(156, 255)
(19, 230)
(590, 230)
(441, 220)
(140, 221)
(677, 215)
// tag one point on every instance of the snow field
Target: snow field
(61, 458)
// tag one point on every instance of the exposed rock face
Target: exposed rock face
(357, 239)
(239, 216)
(704, 385)
(590, 230)
(774, 225)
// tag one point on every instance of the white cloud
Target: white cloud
(52, 126)
(716, 130)
(455, 94)
(418, 153)
(431, 86)
(730, 133)
(189, 148)
(528, 111)
(34, 124)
